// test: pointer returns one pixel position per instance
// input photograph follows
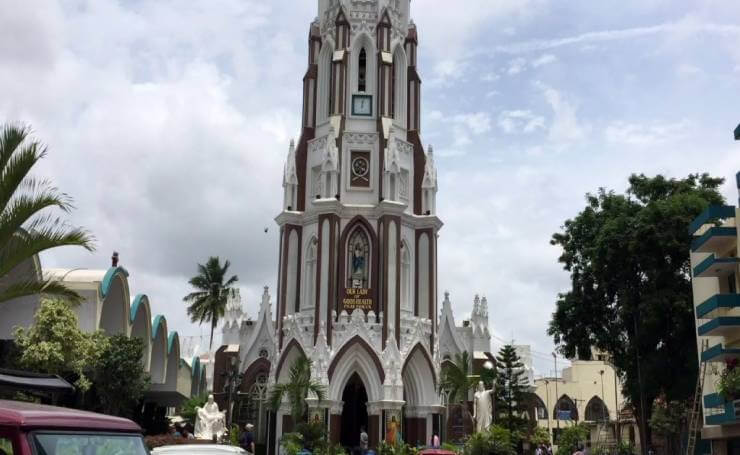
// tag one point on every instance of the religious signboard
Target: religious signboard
(357, 298)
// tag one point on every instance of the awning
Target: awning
(33, 382)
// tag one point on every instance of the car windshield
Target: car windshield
(88, 444)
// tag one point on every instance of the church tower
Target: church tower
(357, 286)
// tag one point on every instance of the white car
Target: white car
(197, 449)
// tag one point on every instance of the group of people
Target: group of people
(546, 449)
(181, 431)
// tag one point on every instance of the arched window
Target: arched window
(406, 303)
(358, 259)
(309, 290)
(255, 408)
(596, 410)
(324, 84)
(538, 408)
(565, 409)
(362, 71)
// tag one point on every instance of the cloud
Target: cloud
(685, 27)
(478, 122)
(686, 69)
(544, 60)
(520, 121)
(642, 135)
(516, 66)
(565, 127)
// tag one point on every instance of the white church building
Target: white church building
(357, 287)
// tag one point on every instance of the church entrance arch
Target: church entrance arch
(354, 412)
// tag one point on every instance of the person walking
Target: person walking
(246, 441)
(363, 440)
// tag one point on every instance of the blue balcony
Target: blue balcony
(716, 267)
(719, 353)
(720, 327)
(717, 238)
(713, 212)
(714, 305)
(720, 412)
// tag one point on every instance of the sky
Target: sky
(168, 122)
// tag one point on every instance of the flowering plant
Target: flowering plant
(729, 381)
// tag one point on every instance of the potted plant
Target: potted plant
(729, 381)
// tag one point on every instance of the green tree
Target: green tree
(208, 303)
(571, 438)
(630, 296)
(56, 345)
(669, 420)
(26, 225)
(455, 378)
(511, 387)
(120, 377)
(297, 389)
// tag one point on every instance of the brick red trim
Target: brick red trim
(293, 344)
(261, 365)
(420, 347)
(357, 340)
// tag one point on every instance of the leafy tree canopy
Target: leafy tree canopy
(56, 345)
(120, 377)
(628, 259)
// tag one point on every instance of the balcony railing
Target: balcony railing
(721, 326)
(717, 238)
(719, 353)
(714, 305)
(712, 212)
(716, 267)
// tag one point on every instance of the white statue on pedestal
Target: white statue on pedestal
(209, 421)
(482, 407)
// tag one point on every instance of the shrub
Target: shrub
(496, 441)
(571, 437)
(729, 382)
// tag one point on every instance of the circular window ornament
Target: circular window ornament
(360, 167)
(263, 353)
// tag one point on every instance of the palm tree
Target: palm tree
(208, 303)
(455, 378)
(297, 389)
(26, 227)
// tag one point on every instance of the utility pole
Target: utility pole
(547, 406)
(616, 405)
(557, 398)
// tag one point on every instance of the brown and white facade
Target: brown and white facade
(357, 276)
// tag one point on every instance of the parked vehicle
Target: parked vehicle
(29, 428)
(198, 449)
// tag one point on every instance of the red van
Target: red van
(36, 429)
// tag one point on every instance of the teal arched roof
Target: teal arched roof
(139, 300)
(171, 341)
(108, 279)
(159, 322)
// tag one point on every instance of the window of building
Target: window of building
(731, 285)
(309, 293)
(406, 278)
(362, 71)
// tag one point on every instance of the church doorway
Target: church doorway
(354, 412)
